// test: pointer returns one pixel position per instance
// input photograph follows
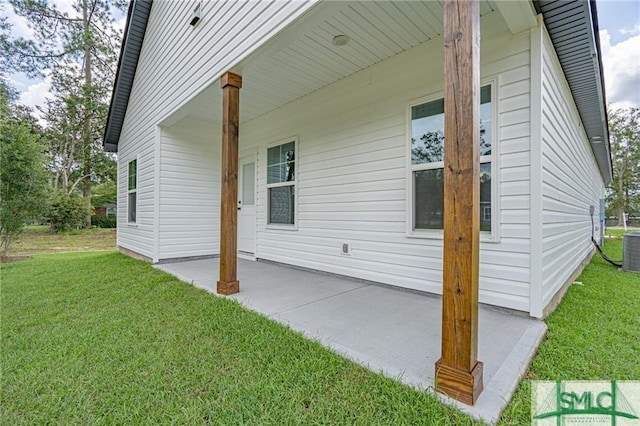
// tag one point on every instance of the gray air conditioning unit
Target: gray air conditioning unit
(631, 252)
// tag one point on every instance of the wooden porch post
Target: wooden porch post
(458, 372)
(228, 283)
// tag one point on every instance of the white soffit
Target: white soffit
(307, 60)
(572, 27)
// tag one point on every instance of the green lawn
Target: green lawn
(594, 334)
(38, 239)
(101, 338)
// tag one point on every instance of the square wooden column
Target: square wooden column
(458, 372)
(228, 283)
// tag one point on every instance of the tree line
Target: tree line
(623, 194)
(77, 51)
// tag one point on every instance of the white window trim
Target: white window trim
(129, 191)
(294, 183)
(437, 234)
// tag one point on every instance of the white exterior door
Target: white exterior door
(246, 205)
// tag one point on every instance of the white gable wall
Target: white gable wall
(189, 200)
(176, 61)
(571, 181)
(352, 174)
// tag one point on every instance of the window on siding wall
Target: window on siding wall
(281, 184)
(132, 189)
(427, 162)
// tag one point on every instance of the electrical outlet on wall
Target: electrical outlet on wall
(345, 249)
(195, 17)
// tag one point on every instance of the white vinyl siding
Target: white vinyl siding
(571, 181)
(190, 190)
(352, 174)
(176, 61)
(138, 237)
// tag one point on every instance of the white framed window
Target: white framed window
(426, 158)
(132, 191)
(282, 175)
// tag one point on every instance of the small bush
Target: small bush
(67, 212)
(104, 221)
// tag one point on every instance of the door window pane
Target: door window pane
(248, 184)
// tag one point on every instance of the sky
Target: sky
(33, 92)
(619, 23)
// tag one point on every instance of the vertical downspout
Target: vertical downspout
(536, 307)
(156, 194)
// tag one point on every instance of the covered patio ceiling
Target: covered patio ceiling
(302, 58)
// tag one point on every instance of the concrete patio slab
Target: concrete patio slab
(388, 330)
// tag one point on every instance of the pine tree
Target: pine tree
(79, 52)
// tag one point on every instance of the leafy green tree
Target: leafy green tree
(624, 190)
(105, 193)
(66, 211)
(65, 117)
(23, 177)
(79, 51)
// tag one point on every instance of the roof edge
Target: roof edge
(137, 19)
(596, 35)
(583, 69)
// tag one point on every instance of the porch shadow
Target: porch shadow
(388, 330)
